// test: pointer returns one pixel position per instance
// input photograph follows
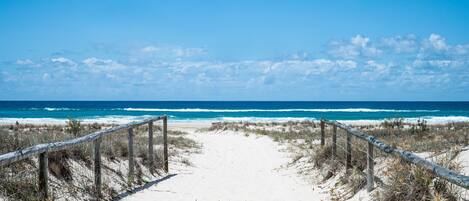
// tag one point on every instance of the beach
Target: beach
(257, 151)
(237, 164)
(264, 160)
(232, 166)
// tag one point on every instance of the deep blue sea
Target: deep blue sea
(125, 111)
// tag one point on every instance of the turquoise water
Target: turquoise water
(122, 111)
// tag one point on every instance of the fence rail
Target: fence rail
(439, 171)
(41, 151)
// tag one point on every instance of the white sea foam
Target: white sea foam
(104, 119)
(242, 110)
(428, 119)
(272, 110)
(265, 119)
(438, 120)
(36, 121)
(59, 109)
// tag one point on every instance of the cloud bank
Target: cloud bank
(357, 68)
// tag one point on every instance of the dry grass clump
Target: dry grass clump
(278, 131)
(181, 142)
(355, 180)
(409, 182)
(321, 155)
(321, 159)
(59, 165)
(14, 137)
(421, 137)
(18, 182)
(71, 170)
(393, 123)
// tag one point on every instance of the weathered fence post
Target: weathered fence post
(150, 146)
(130, 176)
(165, 143)
(43, 171)
(369, 172)
(334, 141)
(322, 132)
(97, 168)
(348, 162)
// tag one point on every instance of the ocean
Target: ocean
(126, 111)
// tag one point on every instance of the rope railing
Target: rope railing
(41, 150)
(441, 172)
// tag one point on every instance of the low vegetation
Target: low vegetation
(410, 182)
(421, 137)
(305, 131)
(71, 170)
(400, 181)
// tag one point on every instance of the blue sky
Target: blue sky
(237, 50)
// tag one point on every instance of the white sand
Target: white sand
(463, 159)
(232, 166)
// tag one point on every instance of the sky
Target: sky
(398, 50)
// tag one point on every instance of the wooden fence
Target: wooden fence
(42, 149)
(439, 171)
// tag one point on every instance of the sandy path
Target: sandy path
(232, 167)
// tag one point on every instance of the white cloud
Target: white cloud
(321, 62)
(300, 55)
(355, 47)
(8, 77)
(360, 41)
(371, 51)
(347, 64)
(401, 44)
(461, 49)
(344, 51)
(169, 52)
(149, 49)
(63, 61)
(309, 67)
(440, 63)
(24, 62)
(188, 52)
(185, 66)
(103, 65)
(400, 57)
(437, 42)
(302, 67)
(379, 67)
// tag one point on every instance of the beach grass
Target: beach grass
(418, 137)
(71, 169)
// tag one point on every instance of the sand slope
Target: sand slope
(232, 167)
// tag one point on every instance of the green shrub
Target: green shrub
(73, 127)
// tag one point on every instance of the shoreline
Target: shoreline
(124, 120)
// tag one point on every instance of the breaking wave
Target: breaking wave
(272, 110)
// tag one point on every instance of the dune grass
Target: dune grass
(68, 168)
(409, 182)
(401, 180)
